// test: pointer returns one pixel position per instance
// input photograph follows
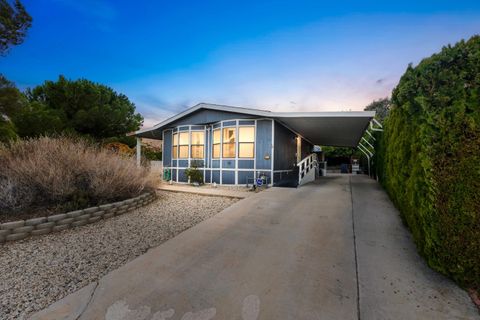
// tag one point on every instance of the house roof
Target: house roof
(343, 128)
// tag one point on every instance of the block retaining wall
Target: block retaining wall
(17, 230)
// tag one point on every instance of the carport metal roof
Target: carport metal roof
(343, 129)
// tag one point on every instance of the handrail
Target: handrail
(307, 164)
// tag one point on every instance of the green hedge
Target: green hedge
(428, 158)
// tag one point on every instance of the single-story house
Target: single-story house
(233, 145)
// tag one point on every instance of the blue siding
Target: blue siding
(167, 149)
(198, 162)
(207, 176)
(264, 144)
(243, 175)
(229, 164)
(216, 176)
(306, 148)
(285, 148)
(245, 164)
(228, 177)
(229, 123)
(246, 122)
(181, 176)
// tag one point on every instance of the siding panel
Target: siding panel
(285, 148)
(264, 144)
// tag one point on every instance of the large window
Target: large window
(183, 145)
(175, 146)
(246, 142)
(216, 144)
(198, 144)
(229, 142)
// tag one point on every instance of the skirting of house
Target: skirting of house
(21, 229)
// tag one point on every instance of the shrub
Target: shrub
(428, 158)
(65, 173)
(193, 174)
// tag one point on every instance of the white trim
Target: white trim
(237, 146)
(255, 149)
(221, 153)
(261, 113)
(273, 152)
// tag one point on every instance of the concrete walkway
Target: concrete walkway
(334, 249)
(208, 190)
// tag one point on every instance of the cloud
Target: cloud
(328, 66)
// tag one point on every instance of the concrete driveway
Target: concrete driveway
(333, 249)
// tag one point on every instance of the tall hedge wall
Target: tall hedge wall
(428, 158)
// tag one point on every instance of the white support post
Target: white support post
(366, 141)
(368, 132)
(139, 151)
(367, 153)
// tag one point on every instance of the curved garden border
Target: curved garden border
(17, 230)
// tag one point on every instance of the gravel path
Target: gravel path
(38, 271)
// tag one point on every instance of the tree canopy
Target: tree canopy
(381, 107)
(79, 106)
(11, 102)
(14, 23)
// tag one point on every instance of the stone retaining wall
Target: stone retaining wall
(16, 230)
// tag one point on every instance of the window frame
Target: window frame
(234, 143)
(184, 145)
(252, 143)
(175, 145)
(197, 145)
(218, 144)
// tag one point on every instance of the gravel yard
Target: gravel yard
(38, 271)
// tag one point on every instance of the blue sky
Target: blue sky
(278, 55)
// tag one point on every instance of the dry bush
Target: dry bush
(66, 173)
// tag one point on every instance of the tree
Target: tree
(428, 158)
(14, 23)
(11, 99)
(36, 119)
(381, 107)
(11, 102)
(80, 106)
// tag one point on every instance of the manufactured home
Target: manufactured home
(235, 146)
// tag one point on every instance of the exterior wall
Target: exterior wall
(275, 149)
(306, 148)
(224, 170)
(285, 148)
(167, 148)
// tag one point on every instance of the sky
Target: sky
(275, 55)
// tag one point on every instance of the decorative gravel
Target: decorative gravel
(36, 272)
